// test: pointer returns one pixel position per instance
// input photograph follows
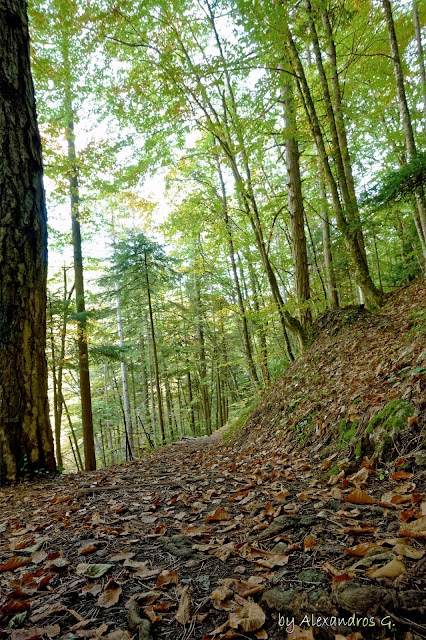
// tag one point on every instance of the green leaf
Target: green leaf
(17, 620)
(93, 570)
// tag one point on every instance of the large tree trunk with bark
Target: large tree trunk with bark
(26, 443)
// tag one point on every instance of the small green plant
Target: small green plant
(332, 471)
(26, 471)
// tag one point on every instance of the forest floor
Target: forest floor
(271, 535)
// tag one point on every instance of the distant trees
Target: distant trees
(289, 137)
(26, 443)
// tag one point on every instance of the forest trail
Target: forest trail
(210, 541)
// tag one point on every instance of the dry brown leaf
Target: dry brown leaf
(402, 475)
(282, 495)
(223, 593)
(360, 478)
(110, 596)
(329, 568)
(218, 514)
(151, 614)
(249, 587)
(359, 497)
(51, 631)
(309, 542)
(391, 569)
(13, 563)
(86, 549)
(92, 589)
(167, 577)
(409, 552)
(249, 616)
(183, 614)
(363, 548)
(415, 529)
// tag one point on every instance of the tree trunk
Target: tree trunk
(26, 442)
(330, 277)
(83, 352)
(56, 396)
(108, 422)
(296, 209)
(336, 113)
(404, 112)
(349, 233)
(124, 377)
(244, 326)
(420, 58)
(154, 351)
(203, 365)
(262, 327)
(151, 384)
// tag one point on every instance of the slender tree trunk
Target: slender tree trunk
(26, 442)
(263, 347)
(151, 383)
(203, 364)
(74, 436)
(124, 377)
(330, 277)
(243, 318)
(336, 114)
(154, 351)
(74, 455)
(421, 59)
(83, 352)
(67, 303)
(296, 209)
(56, 396)
(350, 234)
(404, 112)
(108, 422)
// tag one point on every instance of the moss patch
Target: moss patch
(347, 432)
(387, 425)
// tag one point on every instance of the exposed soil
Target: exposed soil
(208, 539)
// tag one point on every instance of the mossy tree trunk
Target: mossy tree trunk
(26, 443)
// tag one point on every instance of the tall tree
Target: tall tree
(26, 442)
(404, 111)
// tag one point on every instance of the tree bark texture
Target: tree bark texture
(26, 442)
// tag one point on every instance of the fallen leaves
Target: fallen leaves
(391, 569)
(183, 613)
(218, 515)
(111, 594)
(166, 578)
(14, 563)
(415, 529)
(359, 496)
(249, 616)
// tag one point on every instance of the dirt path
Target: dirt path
(207, 542)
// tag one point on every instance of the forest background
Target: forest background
(218, 175)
